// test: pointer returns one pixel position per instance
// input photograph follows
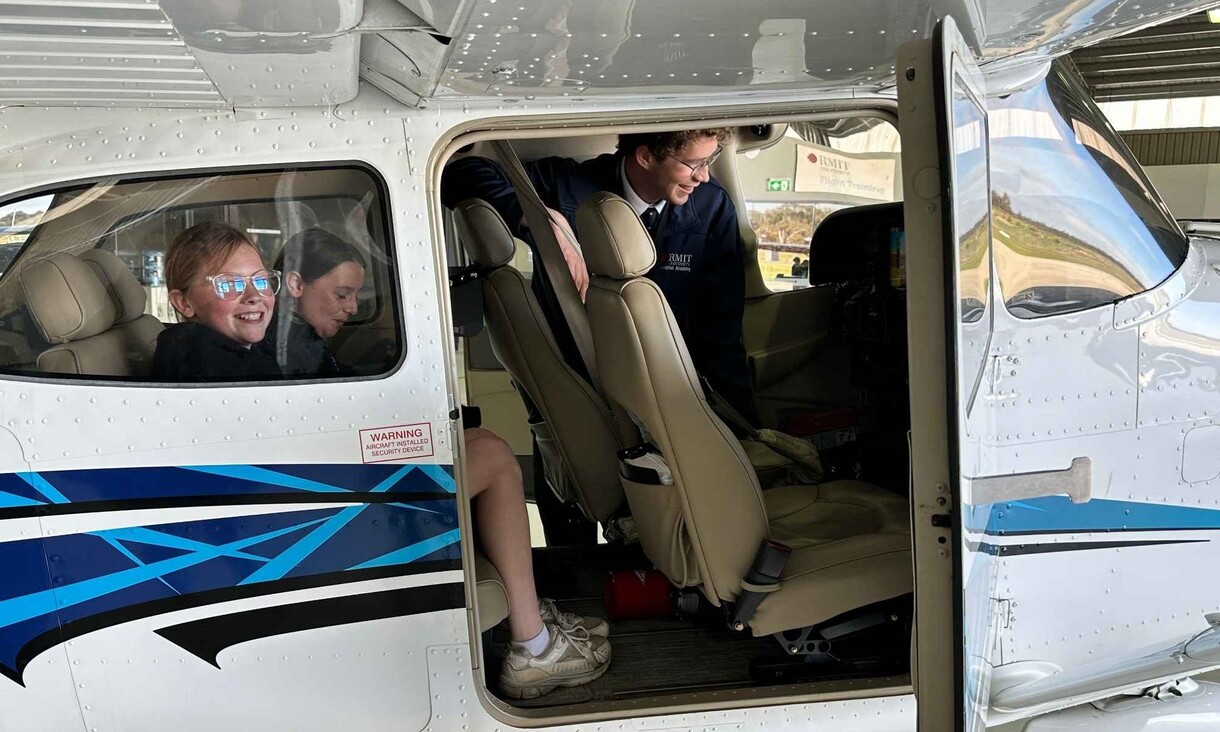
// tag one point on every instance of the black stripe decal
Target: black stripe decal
(208, 637)
(1110, 530)
(1015, 550)
(237, 499)
(121, 615)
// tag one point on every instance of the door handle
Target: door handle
(1076, 481)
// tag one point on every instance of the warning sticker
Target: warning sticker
(400, 442)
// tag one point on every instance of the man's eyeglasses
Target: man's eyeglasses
(266, 283)
(702, 164)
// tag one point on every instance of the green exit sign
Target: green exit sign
(779, 184)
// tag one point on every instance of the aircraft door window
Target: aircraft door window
(1076, 223)
(110, 248)
(971, 229)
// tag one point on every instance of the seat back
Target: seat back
(136, 331)
(70, 306)
(574, 426)
(856, 245)
(706, 527)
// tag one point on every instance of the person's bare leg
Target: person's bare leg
(500, 518)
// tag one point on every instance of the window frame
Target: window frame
(393, 288)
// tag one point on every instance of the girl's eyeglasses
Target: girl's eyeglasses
(266, 282)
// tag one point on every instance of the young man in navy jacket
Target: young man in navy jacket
(700, 266)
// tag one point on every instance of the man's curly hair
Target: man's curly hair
(668, 144)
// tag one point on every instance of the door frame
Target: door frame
(938, 665)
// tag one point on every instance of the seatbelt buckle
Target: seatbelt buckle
(761, 580)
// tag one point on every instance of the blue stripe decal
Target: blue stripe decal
(113, 485)
(441, 475)
(413, 507)
(157, 538)
(24, 608)
(1059, 515)
(255, 474)
(55, 581)
(278, 567)
(118, 547)
(40, 484)
(391, 481)
(411, 553)
(8, 500)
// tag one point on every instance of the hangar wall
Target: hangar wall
(1184, 165)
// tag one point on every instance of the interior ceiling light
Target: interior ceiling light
(1213, 16)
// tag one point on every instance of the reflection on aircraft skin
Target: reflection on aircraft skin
(1057, 253)
(1180, 348)
(727, 47)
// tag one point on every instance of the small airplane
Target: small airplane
(996, 323)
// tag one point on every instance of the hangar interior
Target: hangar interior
(1160, 87)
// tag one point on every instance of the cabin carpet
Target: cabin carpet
(655, 656)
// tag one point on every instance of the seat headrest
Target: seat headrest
(65, 298)
(615, 242)
(125, 291)
(486, 237)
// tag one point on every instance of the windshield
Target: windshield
(1076, 224)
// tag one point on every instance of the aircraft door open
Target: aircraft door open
(1037, 465)
(950, 320)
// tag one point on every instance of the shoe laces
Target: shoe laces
(577, 637)
(548, 609)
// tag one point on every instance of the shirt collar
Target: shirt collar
(637, 204)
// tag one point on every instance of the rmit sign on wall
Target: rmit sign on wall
(822, 170)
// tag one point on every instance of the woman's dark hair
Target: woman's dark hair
(314, 253)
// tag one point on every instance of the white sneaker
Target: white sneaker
(550, 613)
(573, 658)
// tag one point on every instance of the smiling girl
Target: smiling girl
(224, 295)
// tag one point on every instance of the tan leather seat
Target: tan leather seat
(577, 436)
(70, 306)
(491, 595)
(77, 304)
(137, 331)
(850, 540)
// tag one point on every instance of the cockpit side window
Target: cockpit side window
(104, 246)
(1075, 223)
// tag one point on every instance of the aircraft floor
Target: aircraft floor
(651, 656)
(656, 656)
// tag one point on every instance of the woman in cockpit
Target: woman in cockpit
(550, 648)
(322, 278)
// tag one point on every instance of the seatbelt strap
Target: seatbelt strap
(726, 411)
(556, 268)
(801, 454)
(553, 263)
